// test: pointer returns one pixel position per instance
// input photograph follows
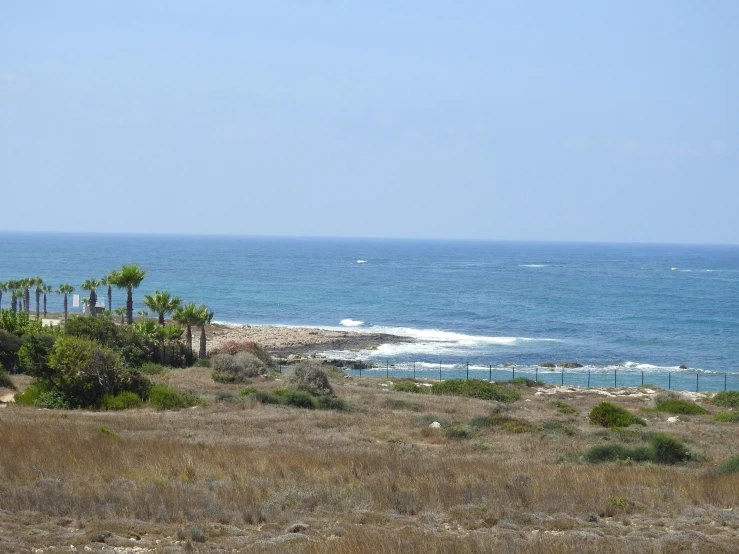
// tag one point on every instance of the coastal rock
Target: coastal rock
(297, 528)
(546, 364)
(509, 365)
(673, 419)
(569, 365)
(435, 425)
(683, 366)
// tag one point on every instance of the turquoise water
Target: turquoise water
(629, 308)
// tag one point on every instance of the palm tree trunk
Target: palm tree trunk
(27, 300)
(44, 304)
(161, 318)
(110, 299)
(14, 304)
(93, 302)
(38, 298)
(1, 299)
(188, 338)
(129, 306)
(65, 308)
(203, 340)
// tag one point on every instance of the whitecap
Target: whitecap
(361, 261)
(532, 265)
(351, 322)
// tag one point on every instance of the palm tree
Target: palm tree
(121, 312)
(27, 283)
(45, 289)
(188, 316)
(129, 278)
(206, 320)
(109, 281)
(162, 303)
(38, 283)
(16, 291)
(66, 290)
(92, 285)
(3, 288)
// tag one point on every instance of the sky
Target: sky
(574, 121)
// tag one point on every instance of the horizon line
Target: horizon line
(362, 238)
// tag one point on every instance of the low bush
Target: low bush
(122, 401)
(408, 386)
(165, 398)
(402, 405)
(53, 400)
(234, 347)
(523, 382)
(237, 368)
(248, 390)
(264, 398)
(309, 376)
(298, 399)
(518, 426)
(558, 427)
(29, 396)
(731, 466)
(606, 414)
(563, 407)
(726, 399)
(10, 344)
(674, 406)
(727, 417)
(463, 431)
(150, 368)
(476, 388)
(670, 450)
(664, 449)
(331, 403)
(425, 421)
(202, 362)
(33, 356)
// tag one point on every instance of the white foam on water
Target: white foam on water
(361, 261)
(351, 323)
(532, 265)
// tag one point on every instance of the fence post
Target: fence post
(588, 378)
(490, 377)
(615, 377)
(696, 382)
(414, 369)
(536, 378)
(280, 369)
(563, 377)
(642, 378)
(468, 371)
(669, 381)
(387, 368)
(724, 381)
(360, 370)
(440, 371)
(514, 373)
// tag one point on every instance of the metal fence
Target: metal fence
(586, 378)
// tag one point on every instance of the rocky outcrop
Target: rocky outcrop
(569, 365)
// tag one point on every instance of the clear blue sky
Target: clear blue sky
(594, 121)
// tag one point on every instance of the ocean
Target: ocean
(627, 310)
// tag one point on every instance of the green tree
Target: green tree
(208, 317)
(92, 285)
(109, 281)
(16, 291)
(121, 312)
(3, 288)
(66, 290)
(163, 303)
(190, 315)
(45, 289)
(38, 282)
(129, 278)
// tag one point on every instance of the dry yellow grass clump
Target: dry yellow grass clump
(237, 475)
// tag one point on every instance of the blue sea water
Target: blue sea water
(623, 307)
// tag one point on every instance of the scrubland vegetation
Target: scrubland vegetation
(314, 461)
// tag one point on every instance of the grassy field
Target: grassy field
(238, 475)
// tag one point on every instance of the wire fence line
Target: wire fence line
(586, 378)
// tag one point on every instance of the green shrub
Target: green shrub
(558, 427)
(331, 403)
(19, 324)
(122, 401)
(165, 398)
(237, 368)
(731, 466)
(202, 362)
(408, 386)
(669, 449)
(563, 407)
(10, 344)
(518, 426)
(309, 376)
(727, 417)
(298, 399)
(99, 329)
(402, 405)
(463, 431)
(29, 396)
(53, 400)
(248, 390)
(606, 414)
(674, 406)
(226, 396)
(151, 368)
(523, 382)
(105, 431)
(265, 398)
(33, 356)
(475, 388)
(617, 452)
(726, 399)
(226, 378)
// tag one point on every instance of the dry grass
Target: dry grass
(375, 479)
